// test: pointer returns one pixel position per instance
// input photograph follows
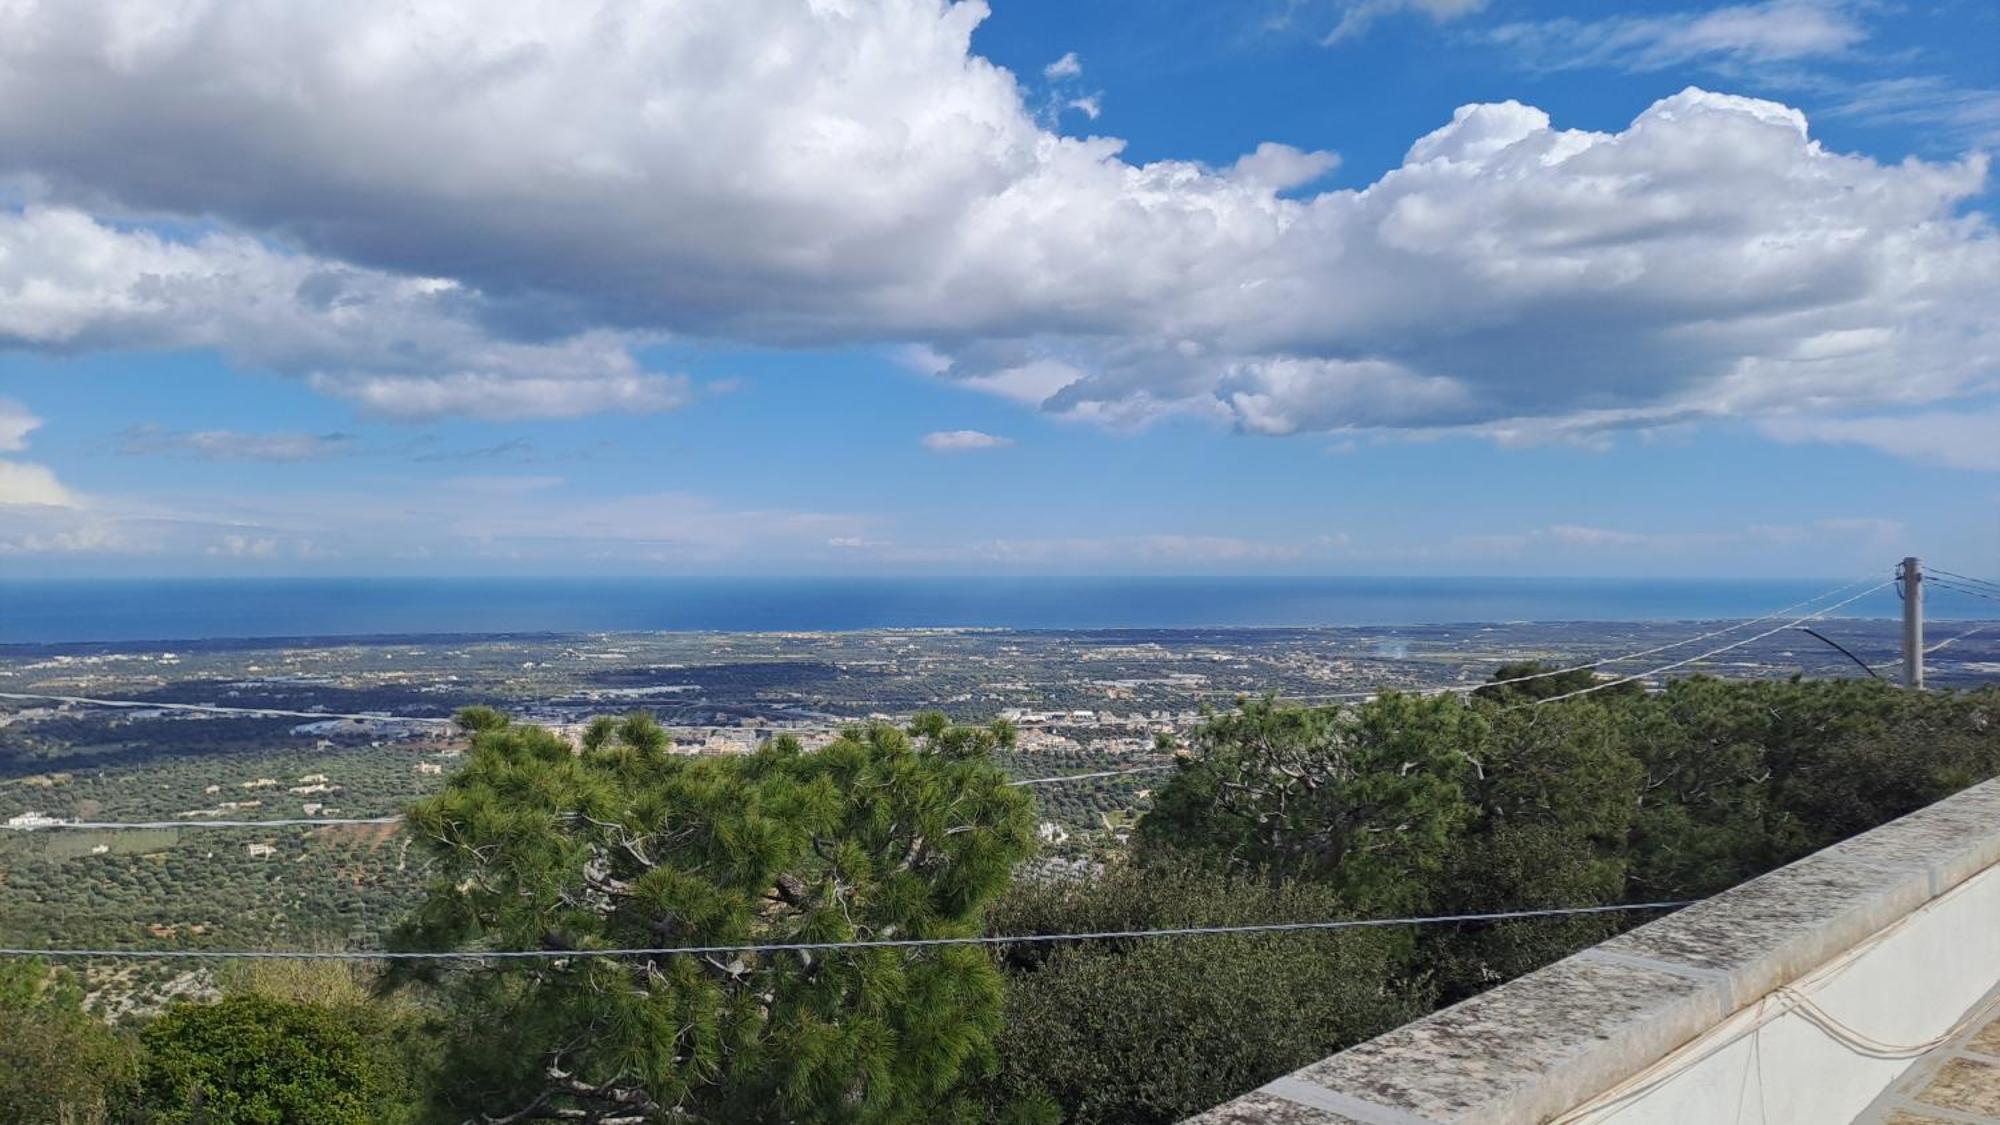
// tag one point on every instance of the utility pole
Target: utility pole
(1912, 576)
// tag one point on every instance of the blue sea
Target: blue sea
(55, 611)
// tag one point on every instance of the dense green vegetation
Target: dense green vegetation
(1149, 1030)
(1437, 805)
(881, 834)
(1401, 805)
(254, 1059)
(58, 1063)
(281, 1044)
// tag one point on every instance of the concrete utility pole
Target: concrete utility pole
(1913, 622)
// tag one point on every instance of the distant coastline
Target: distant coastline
(53, 611)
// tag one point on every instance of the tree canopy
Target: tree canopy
(1366, 798)
(619, 844)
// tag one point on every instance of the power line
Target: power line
(107, 825)
(1969, 591)
(1455, 688)
(335, 821)
(1088, 776)
(1948, 641)
(1963, 586)
(1963, 577)
(1813, 616)
(810, 946)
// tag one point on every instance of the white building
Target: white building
(32, 820)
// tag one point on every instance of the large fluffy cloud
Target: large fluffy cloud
(400, 345)
(765, 170)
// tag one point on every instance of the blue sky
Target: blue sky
(895, 288)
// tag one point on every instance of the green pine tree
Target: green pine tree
(882, 834)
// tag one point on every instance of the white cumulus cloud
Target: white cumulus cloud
(401, 346)
(30, 484)
(483, 208)
(24, 484)
(1281, 167)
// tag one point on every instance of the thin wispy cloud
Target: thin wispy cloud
(1927, 105)
(1772, 31)
(1820, 50)
(1066, 93)
(230, 445)
(1963, 440)
(963, 441)
(1356, 17)
(511, 449)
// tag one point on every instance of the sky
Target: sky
(826, 287)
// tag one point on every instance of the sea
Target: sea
(100, 610)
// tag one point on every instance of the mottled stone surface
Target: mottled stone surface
(1955, 1083)
(1966, 1086)
(1782, 926)
(1533, 1047)
(1551, 1040)
(1259, 1108)
(1987, 1040)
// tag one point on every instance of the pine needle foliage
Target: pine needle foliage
(1366, 799)
(619, 843)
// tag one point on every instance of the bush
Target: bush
(57, 1062)
(253, 1060)
(1153, 1030)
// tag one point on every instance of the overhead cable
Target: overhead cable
(1637, 676)
(1545, 674)
(336, 821)
(813, 946)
